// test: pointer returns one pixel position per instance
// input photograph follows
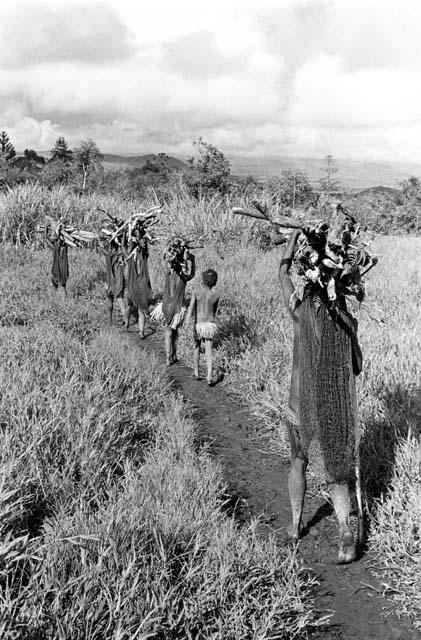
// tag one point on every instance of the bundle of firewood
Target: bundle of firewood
(178, 251)
(334, 254)
(72, 236)
(137, 229)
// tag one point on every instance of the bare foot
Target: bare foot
(219, 377)
(347, 551)
(295, 530)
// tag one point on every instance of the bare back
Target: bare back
(206, 305)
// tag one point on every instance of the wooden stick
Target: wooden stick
(261, 209)
(358, 492)
(242, 212)
(280, 222)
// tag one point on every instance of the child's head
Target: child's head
(209, 278)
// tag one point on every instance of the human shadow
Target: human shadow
(325, 510)
(237, 333)
(399, 419)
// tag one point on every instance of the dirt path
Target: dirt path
(258, 487)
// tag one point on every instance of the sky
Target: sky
(300, 78)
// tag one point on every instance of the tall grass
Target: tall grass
(113, 521)
(23, 207)
(255, 349)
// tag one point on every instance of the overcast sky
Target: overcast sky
(301, 78)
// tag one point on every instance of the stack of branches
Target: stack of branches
(112, 230)
(136, 230)
(332, 253)
(72, 236)
(178, 251)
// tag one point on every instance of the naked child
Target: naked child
(202, 311)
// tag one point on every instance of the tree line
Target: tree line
(206, 174)
(80, 167)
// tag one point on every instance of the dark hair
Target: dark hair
(209, 277)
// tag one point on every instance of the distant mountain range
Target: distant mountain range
(354, 174)
(112, 161)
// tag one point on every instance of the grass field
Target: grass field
(112, 521)
(256, 350)
(107, 504)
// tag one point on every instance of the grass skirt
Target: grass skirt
(206, 330)
(157, 316)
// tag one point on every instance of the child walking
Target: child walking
(202, 311)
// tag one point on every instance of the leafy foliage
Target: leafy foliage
(88, 164)
(61, 151)
(292, 189)
(328, 183)
(7, 150)
(208, 173)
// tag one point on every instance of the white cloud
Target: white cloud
(36, 32)
(298, 77)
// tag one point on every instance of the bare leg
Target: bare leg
(123, 309)
(141, 324)
(297, 491)
(174, 345)
(196, 358)
(168, 345)
(129, 312)
(342, 505)
(209, 359)
(110, 303)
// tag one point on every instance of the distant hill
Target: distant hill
(388, 192)
(354, 174)
(112, 161)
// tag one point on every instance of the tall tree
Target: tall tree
(158, 165)
(292, 189)
(61, 151)
(88, 164)
(209, 172)
(7, 150)
(30, 161)
(328, 183)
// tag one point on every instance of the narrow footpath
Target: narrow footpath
(258, 488)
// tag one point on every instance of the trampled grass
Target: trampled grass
(112, 520)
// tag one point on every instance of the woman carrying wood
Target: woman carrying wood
(326, 359)
(60, 265)
(139, 290)
(116, 281)
(179, 269)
